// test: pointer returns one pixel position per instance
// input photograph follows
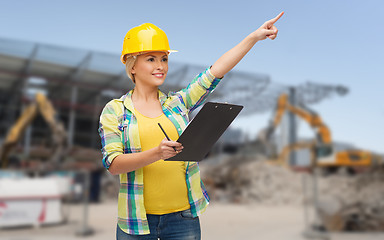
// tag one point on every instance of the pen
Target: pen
(166, 135)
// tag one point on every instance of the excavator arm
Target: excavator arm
(324, 141)
(44, 106)
(58, 132)
(16, 131)
(314, 120)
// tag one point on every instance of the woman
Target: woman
(159, 199)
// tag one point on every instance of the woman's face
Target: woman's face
(151, 68)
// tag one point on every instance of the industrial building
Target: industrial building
(80, 82)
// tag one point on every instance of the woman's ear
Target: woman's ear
(133, 70)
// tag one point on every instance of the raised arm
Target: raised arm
(229, 60)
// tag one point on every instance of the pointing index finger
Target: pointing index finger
(273, 20)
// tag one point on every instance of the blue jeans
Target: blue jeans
(173, 226)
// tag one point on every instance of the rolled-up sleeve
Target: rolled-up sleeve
(198, 90)
(110, 135)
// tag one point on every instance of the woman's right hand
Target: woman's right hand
(129, 162)
(167, 148)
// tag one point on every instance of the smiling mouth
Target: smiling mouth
(158, 74)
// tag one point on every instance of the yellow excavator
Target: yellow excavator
(322, 151)
(59, 136)
(323, 158)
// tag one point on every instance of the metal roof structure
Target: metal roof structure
(95, 73)
(80, 82)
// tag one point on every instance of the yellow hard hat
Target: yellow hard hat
(145, 38)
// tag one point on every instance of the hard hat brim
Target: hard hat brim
(122, 59)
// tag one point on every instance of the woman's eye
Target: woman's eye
(151, 59)
(165, 60)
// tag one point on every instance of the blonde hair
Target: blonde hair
(130, 61)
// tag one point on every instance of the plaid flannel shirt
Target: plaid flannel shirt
(119, 134)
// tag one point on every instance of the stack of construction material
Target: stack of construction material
(27, 201)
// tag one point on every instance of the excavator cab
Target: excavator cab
(324, 151)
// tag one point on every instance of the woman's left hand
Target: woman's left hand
(268, 29)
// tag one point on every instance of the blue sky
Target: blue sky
(330, 42)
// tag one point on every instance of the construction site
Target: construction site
(276, 185)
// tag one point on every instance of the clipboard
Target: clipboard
(205, 129)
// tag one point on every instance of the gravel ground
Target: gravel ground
(220, 221)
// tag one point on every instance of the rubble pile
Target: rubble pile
(242, 180)
(346, 202)
(352, 203)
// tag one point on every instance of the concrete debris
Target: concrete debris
(346, 202)
(357, 201)
(243, 180)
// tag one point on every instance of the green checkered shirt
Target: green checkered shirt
(120, 135)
